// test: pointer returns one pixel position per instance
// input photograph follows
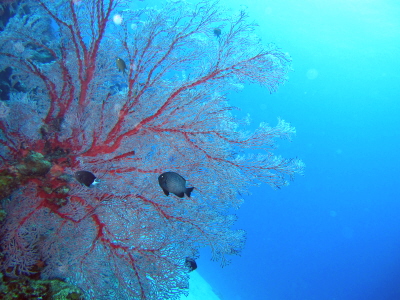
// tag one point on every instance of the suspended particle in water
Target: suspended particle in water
(117, 19)
(312, 74)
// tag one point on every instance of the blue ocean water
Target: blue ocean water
(335, 232)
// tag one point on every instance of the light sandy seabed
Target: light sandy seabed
(199, 289)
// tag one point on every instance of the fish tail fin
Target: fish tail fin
(189, 191)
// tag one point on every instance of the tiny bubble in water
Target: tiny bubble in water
(117, 19)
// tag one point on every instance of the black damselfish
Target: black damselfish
(85, 177)
(191, 264)
(172, 182)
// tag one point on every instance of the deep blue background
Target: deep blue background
(334, 233)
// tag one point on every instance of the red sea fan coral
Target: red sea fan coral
(123, 238)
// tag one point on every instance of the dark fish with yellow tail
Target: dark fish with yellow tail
(121, 65)
(172, 182)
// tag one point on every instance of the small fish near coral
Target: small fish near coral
(85, 177)
(191, 264)
(121, 65)
(217, 32)
(172, 182)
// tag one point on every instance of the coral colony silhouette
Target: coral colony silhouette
(105, 107)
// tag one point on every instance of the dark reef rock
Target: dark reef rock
(26, 288)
